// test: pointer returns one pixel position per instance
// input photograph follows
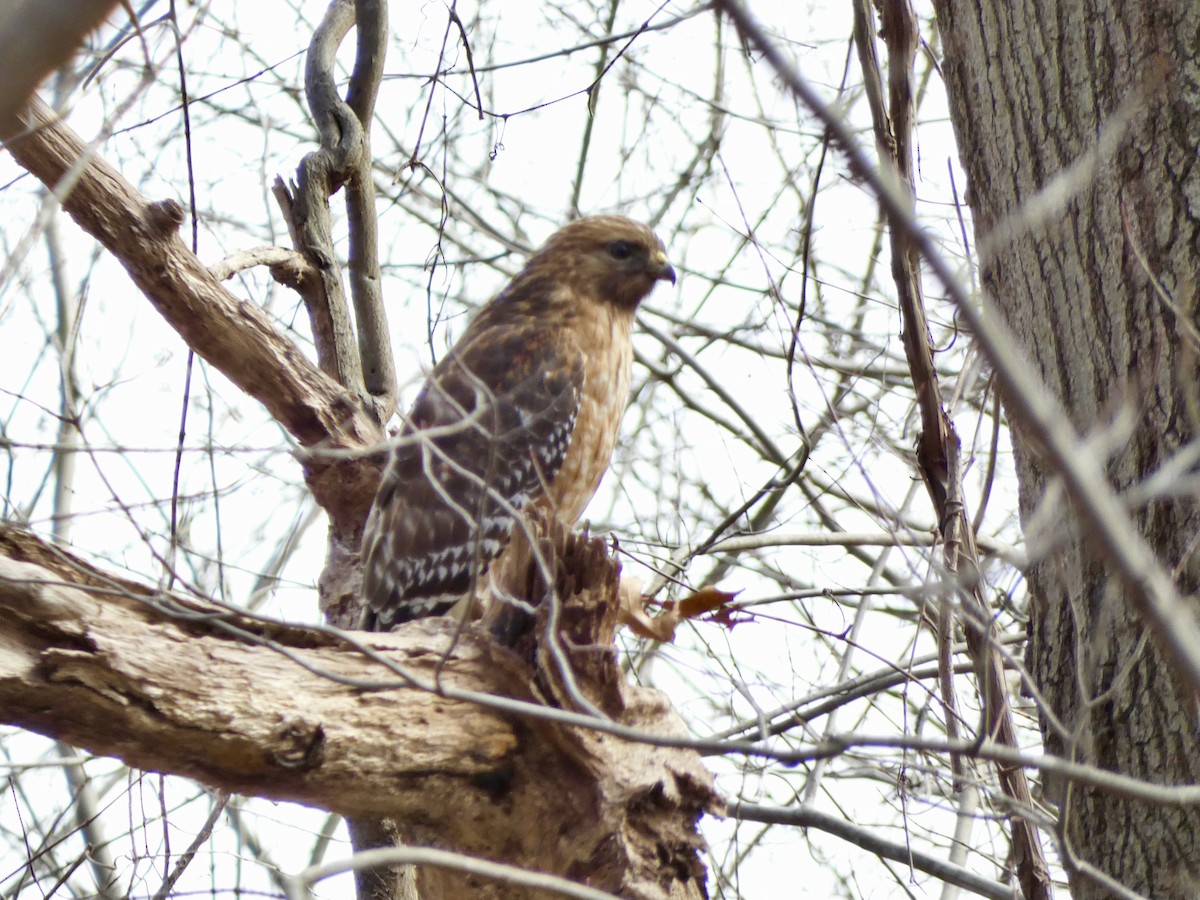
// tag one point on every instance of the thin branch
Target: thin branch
(241, 260)
(593, 93)
(306, 206)
(806, 817)
(911, 538)
(299, 885)
(203, 834)
(233, 335)
(374, 342)
(938, 445)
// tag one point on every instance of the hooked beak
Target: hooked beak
(662, 268)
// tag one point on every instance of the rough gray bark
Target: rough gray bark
(1078, 125)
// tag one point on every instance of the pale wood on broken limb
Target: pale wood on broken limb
(303, 715)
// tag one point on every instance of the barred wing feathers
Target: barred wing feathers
(487, 435)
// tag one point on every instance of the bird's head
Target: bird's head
(610, 258)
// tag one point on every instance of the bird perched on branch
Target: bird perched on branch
(521, 415)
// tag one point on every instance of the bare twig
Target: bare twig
(807, 817)
(299, 886)
(201, 837)
(233, 335)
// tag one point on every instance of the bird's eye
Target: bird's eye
(620, 249)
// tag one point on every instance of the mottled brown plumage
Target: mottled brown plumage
(523, 411)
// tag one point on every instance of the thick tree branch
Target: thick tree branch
(100, 663)
(234, 335)
(299, 714)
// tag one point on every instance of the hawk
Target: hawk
(521, 415)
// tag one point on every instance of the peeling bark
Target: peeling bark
(303, 715)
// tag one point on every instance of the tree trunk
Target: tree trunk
(1078, 126)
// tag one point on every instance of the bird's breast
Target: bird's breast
(608, 358)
